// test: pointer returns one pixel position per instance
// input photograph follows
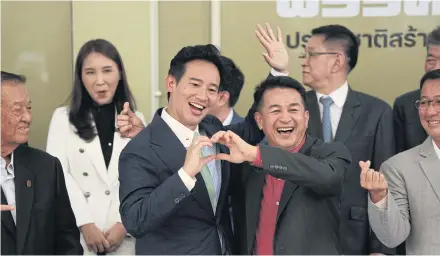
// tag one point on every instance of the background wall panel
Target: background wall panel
(126, 25)
(36, 41)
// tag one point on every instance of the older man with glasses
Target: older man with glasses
(404, 204)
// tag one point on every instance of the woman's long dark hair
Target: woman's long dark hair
(81, 102)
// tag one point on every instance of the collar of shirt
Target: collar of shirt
(183, 133)
(436, 149)
(338, 96)
(9, 169)
(228, 119)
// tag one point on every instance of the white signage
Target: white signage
(353, 8)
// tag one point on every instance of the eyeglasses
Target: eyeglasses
(307, 55)
(424, 104)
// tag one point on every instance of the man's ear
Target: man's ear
(223, 98)
(170, 83)
(339, 63)
(259, 119)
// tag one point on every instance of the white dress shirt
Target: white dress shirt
(185, 136)
(339, 96)
(8, 184)
(228, 119)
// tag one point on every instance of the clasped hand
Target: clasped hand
(239, 151)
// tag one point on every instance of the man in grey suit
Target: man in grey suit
(229, 92)
(363, 123)
(404, 202)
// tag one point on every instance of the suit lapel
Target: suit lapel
(118, 144)
(7, 219)
(162, 139)
(315, 125)
(350, 114)
(290, 187)
(254, 194)
(288, 190)
(94, 152)
(24, 192)
(430, 165)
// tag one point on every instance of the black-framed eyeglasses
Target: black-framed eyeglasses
(307, 55)
(424, 104)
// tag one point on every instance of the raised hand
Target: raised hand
(129, 124)
(194, 162)
(276, 54)
(239, 150)
(373, 181)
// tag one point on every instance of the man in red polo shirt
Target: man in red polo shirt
(290, 187)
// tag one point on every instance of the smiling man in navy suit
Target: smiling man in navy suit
(174, 195)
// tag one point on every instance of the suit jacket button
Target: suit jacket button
(85, 174)
(271, 166)
(87, 194)
(284, 168)
(107, 192)
(280, 249)
(81, 150)
(176, 200)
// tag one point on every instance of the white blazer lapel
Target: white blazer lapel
(119, 143)
(94, 152)
(97, 157)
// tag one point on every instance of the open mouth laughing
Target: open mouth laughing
(285, 130)
(196, 108)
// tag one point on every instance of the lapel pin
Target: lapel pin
(28, 183)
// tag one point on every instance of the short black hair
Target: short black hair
(434, 37)
(208, 53)
(233, 80)
(278, 82)
(341, 34)
(431, 75)
(16, 78)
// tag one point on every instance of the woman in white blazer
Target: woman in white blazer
(85, 137)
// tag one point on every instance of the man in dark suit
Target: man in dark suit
(229, 94)
(292, 185)
(407, 128)
(36, 215)
(174, 195)
(339, 113)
